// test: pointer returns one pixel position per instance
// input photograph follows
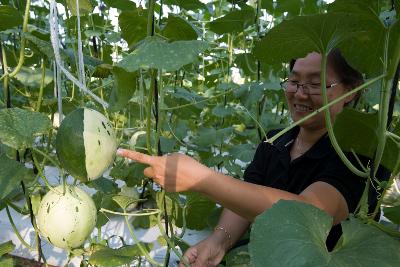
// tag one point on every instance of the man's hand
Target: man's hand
(174, 172)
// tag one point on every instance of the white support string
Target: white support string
(57, 91)
(53, 21)
(81, 67)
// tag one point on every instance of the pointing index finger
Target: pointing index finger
(136, 156)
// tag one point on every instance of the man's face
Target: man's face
(308, 70)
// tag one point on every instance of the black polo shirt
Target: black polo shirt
(272, 166)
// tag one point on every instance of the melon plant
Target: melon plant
(86, 144)
(66, 219)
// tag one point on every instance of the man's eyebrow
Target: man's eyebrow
(310, 75)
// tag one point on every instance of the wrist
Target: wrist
(224, 237)
(204, 177)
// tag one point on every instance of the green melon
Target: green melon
(86, 144)
(66, 220)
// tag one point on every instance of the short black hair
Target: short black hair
(348, 76)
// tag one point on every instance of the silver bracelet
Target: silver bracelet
(227, 234)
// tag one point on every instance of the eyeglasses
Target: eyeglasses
(308, 88)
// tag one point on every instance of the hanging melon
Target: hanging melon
(66, 220)
(86, 144)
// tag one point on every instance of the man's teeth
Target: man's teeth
(302, 107)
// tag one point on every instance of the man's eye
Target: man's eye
(315, 85)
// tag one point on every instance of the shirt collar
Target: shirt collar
(318, 150)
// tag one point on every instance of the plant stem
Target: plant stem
(169, 242)
(328, 123)
(47, 157)
(40, 97)
(384, 229)
(137, 242)
(383, 110)
(39, 168)
(150, 18)
(16, 230)
(6, 88)
(22, 47)
(136, 214)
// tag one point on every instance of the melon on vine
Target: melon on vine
(86, 144)
(67, 218)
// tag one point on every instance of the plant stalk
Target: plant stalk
(328, 122)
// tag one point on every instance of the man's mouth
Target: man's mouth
(302, 108)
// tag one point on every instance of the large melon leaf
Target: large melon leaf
(11, 175)
(372, 40)
(85, 7)
(294, 234)
(158, 54)
(357, 131)
(393, 214)
(187, 4)
(121, 4)
(6, 247)
(124, 87)
(108, 257)
(310, 33)
(19, 128)
(178, 28)
(133, 24)
(33, 78)
(9, 18)
(233, 22)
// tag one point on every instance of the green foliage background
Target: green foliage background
(167, 72)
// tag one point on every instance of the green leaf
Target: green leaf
(178, 28)
(7, 262)
(243, 152)
(161, 241)
(19, 128)
(145, 222)
(6, 247)
(124, 87)
(310, 33)
(205, 137)
(43, 46)
(132, 174)
(223, 111)
(167, 144)
(294, 234)
(11, 175)
(158, 54)
(33, 78)
(121, 4)
(9, 18)
(393, 214)
(104, 185)
(355, 130)
(233, 22)
(198, 210)
(372, 40)
(124, 201)
(85, 7)
(238, 257)
(187, 4)
(108, 257)
(133, 25)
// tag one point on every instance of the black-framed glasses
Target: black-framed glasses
(308, 88)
